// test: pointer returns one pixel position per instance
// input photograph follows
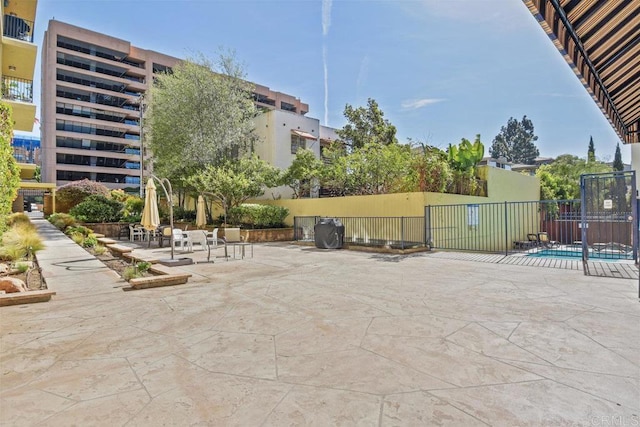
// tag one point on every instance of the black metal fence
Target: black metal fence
(609, 215)
(394, 232)
(538, 228)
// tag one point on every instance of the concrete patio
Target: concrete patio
(301, 336)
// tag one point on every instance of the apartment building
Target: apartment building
(282, 134)
(92, 88)
(18, 60)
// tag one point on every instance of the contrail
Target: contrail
(326, 85)
(326, 16)
(326, 23)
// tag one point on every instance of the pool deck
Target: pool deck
(302, 336)
(624, 269)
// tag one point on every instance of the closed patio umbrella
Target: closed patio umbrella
(150, 216)
(201, 219)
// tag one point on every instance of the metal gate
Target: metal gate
(536, 228)
(609, 217)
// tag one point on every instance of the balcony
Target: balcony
(18, 28)
(15, 89)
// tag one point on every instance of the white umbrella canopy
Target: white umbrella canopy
(201, 218)
(150, 216)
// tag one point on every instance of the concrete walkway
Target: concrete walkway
(300, 336)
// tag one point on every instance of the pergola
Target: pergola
(600, 40)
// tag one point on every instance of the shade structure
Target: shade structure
(150, 216)
(201, 219)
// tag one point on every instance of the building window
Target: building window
(297, 143)
(287, 107)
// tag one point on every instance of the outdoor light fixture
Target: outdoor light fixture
(12, 68)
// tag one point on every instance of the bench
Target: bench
(157, 281)
(27, 297)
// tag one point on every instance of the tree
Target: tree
(235, 181)
(429, 170)
(199, 114)
(9, 170)
(366, 125)
(516, 142)
(617, 159)
(463, 159)
(591, 153)
(303, 172)
(378, 169)
(560, 180)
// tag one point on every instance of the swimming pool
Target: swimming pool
(576, 254)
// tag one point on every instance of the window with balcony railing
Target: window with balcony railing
(97, 51)
(18, 28)
(287, 107)
(15, 89)
(63, 175)
(71, 126)
(97, 82)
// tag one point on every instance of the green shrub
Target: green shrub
(78, 238)
(99, 249)
(18, 218)
(97, 209)
(143, 266)
(76, 192)
(258, 216)
(61, 221)
(182, 214)
(89, 242)
(19, 242)
(78, 229)
(132, 211)
(22, 267)
(9, 170)
(130, 272)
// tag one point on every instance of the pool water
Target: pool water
(576, 254)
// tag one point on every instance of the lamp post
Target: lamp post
(142, 148)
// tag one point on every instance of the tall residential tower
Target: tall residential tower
(92, 87)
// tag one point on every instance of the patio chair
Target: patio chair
(165, 235)
(136, 231)
(533, 239)
(543, 239)
(199, 237)
(232, 235)
(180, 239)
(215, 242)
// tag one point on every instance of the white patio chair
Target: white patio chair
(136, 232)
(182, 240)
(199, 237)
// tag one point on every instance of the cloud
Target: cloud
(326, 16)
(414, 104)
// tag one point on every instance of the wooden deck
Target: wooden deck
(624, 270)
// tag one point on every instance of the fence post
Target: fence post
(427, 225)
(401, 232)
(506, 230)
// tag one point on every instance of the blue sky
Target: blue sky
(440, 70)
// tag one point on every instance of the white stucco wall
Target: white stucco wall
(274, 129)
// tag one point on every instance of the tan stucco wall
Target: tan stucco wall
(502, 186)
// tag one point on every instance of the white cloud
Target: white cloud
(414, 104)
(326, 16)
